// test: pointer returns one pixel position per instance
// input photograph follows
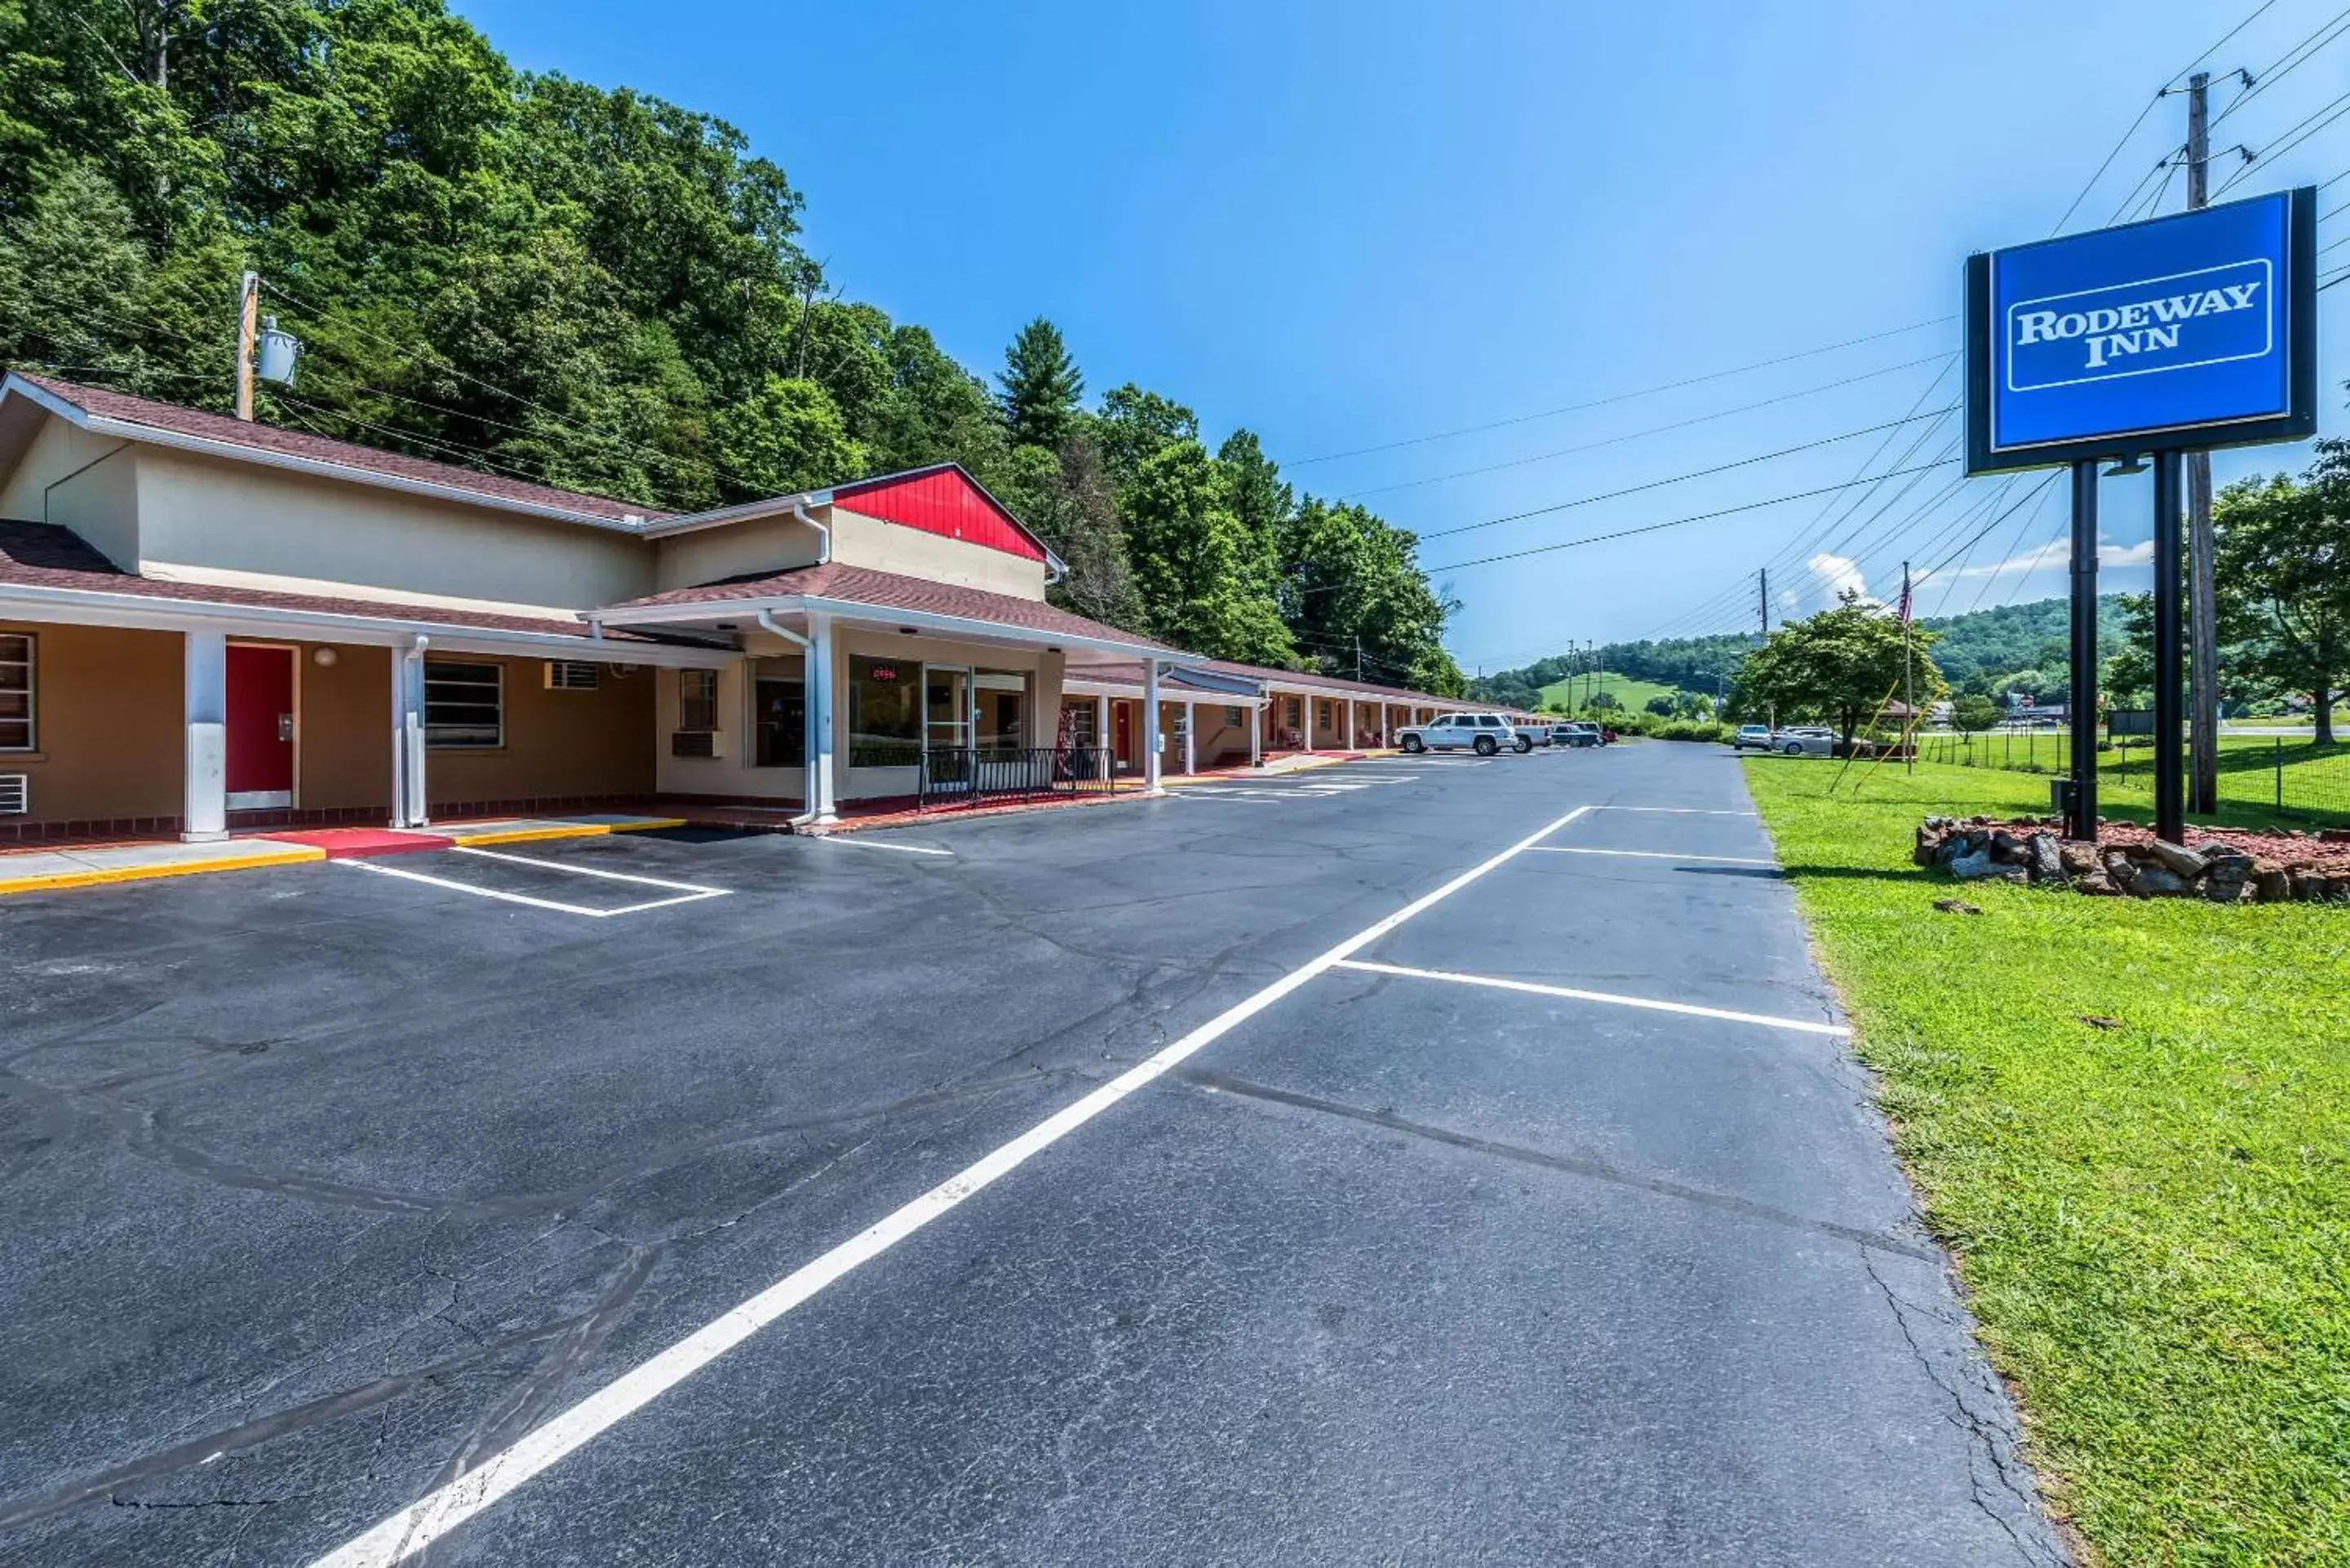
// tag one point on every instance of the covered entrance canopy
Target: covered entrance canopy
(901, 684)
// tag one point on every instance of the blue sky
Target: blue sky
(1345, 224)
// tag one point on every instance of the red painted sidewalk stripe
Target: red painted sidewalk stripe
(356, 843)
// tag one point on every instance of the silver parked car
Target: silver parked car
(1483, 734)
(1755, 735)
(1804, 741)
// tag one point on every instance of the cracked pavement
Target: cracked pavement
(322, 1189)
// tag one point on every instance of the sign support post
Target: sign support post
(2082, 818)
(2170, 702)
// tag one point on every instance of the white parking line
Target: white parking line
(593, 871)
(877, 844)
(416, 1527)
(687, 892)
(1574, 994)
(1658, 855)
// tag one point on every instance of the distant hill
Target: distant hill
(1630, 690)
(1986, 643)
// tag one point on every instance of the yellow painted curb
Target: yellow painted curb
(293, 855)
(568, 830)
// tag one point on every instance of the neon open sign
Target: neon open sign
(2191, 331)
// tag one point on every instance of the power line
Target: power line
(1654, 527)
(1653, 430)
(1680, 478)
(2285, 65)
(1617, 397)
(2288, 140)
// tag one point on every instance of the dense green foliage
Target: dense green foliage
(2283, 568)
(599, 290)
(2141, 1160)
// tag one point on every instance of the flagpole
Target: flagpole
(1908, 689)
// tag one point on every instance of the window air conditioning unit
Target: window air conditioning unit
(573, 675)
(697, 743)
(15, 794)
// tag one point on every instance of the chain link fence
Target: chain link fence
(2289, 778)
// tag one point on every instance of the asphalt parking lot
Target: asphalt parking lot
(1465, 1166)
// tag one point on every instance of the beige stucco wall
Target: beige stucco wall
(862, 541)
(95, 481)
(735, 550)
(342, 756)
(558, 743)
(107, 708)
(201, 518)
(734, 775)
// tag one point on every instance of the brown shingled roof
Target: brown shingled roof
(890, 591)
(1130, 673)
(172, 419)
(49, 555)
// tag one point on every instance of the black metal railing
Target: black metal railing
(968, 776)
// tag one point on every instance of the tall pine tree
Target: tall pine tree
(1041, 387)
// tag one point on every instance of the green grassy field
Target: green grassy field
(2152, 1217)
(1633, 694)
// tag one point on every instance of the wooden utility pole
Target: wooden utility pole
(1765, 575)
(1909, 687)
(2202, 583)
(248, 326)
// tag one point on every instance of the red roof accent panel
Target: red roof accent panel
(944, 501)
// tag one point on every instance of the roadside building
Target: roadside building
(207, 624)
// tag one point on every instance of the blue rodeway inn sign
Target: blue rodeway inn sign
(2192, 331)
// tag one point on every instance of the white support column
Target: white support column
(203, 812)
(1191, 738)
(1305, 700)
(1102, 736)
(1354, 727)
(820, 795)
(1150, 740)
(1256, 734)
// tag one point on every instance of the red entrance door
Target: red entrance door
(1122, 715)
(260, 727)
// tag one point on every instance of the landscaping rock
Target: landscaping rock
(2045, 863)
(2157, 882)
(2006, 849)
(2308, 887)
(1957, 906)
(2097, 884)
(2273, 887)
(2079, 858)
(2225, 879)
(2184, 864)
(1973, 868)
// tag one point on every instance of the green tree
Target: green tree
(787, 436)
(2283, 569)
(1663, 706)
(1974, 713)
(1839, 666)
(1067, 499)
(1191, 554)
(1041, 387)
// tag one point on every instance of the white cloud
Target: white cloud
(2138, 555)
(2059, 556)
(1837, 575)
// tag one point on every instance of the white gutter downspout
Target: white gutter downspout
(408, 780)
(816, 713)
(822, 548)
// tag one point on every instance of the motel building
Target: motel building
(208, 625)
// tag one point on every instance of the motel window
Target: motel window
(464, 705)
(697, 699)
(16, 691)
(884, 712)
(1292, 711)
(1002, 696)
(1234, 718)
(1077, 721)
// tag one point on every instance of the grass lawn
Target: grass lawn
(1633, 694)
(2153, 1219)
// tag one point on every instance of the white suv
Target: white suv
(1483, 734)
